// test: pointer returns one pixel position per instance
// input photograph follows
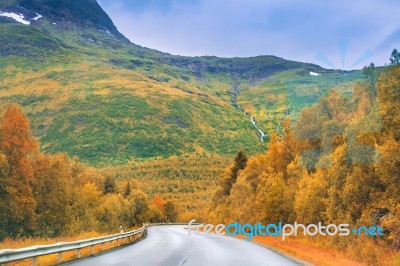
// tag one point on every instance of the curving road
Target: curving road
(172, 245)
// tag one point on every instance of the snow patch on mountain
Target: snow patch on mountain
(314, 74)
(37, 17)
(17, 17)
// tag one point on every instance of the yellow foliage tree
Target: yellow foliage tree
(18, 146)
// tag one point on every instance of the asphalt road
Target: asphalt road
(172, 245)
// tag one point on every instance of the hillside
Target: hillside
(91, 93)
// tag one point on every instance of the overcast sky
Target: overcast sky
(318, 31)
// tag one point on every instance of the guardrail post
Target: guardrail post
(102, 247)
(59, 257)
(78, 253)
(34, 261)
(111, 244)
(91, 250)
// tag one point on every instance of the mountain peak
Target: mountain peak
(84, 13)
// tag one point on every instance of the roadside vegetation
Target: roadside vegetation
(340, 164)
(51, 195)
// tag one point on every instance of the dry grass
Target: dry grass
(319, 253)
(308, 252)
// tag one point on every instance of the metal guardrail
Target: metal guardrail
(11, 255)
(158, 224)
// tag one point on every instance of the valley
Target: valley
(109, 102)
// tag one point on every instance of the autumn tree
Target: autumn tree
(218, 211)
(5, 197)
(336, 177)
(128, 189)
(240, 163)
(113, 212)
(85, 204)
(109, 186)
(281, 152)
(309, 204)
(158, 202)
(138, 208)
(53, 193)
(389, 101)
(358, 192)
(241, 207)
(273, 200)
(18, 147)
(370, 75)
(171, 211)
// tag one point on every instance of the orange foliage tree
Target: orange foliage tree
(18, 147)
(158, 202)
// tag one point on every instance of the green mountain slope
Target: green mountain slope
(89, 92)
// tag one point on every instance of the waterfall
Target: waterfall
(236, 92)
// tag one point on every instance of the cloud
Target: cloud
(295, 30)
